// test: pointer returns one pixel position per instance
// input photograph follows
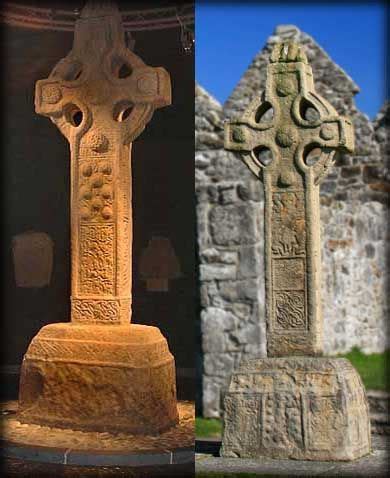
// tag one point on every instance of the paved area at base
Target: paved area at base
(15, 468)
(29, 442)
(377, 464)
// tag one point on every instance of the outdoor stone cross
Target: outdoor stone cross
(291, 185)
(293, 404)
(99, 372)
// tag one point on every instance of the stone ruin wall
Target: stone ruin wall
(354, 231)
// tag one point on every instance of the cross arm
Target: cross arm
(331, 135)
(250, 141)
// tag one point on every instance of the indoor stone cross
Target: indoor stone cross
(101, 96)
(100, 372)
(302, 124)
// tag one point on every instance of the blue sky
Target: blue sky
(228, 36)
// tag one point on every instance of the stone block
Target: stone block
(227, 194)
(211, 399)
(100, 378)
(251, 261)
(234, 224)
(206, 140)
(250, 191)
(213, 255)
(215, 323)
(349, 172)
(301, 408)
(371, 174)
(210, 272)
(218, 364)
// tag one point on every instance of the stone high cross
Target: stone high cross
(303, 123)
(100, 372)
(101, 96)
(293, 404)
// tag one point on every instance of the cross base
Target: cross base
(99, 378)
(301, 408)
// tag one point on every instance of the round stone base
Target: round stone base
(303, 408)
(107, 378)
(73, 447)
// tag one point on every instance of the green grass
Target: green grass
(373, 368)
(208, 427)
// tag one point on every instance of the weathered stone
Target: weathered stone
(217, 272)
(217, 364)
(291, 187)
(350, 172)
(207, 140)
(99, 372)
(212, 395)
(227, 194)
(233, 224)
(328, 187)
(216, 256)
(241, 311)
(372, 174)
(300, 408)
(250, 257)
(250, 191)
(243, 289)
(99, 378)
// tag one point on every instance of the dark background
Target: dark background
(35, 191)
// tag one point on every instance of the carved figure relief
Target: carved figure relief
(288, 224)
(324, 418)
(244, 412)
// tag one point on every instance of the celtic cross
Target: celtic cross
(288, 139)
(101, 96)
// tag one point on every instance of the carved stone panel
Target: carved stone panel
(282, 421)
(97, 259)
(290, 310)
(244, 411)
(288, 224)
(301, 408)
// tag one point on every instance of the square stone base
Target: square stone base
(302, 408)
(105, 378)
